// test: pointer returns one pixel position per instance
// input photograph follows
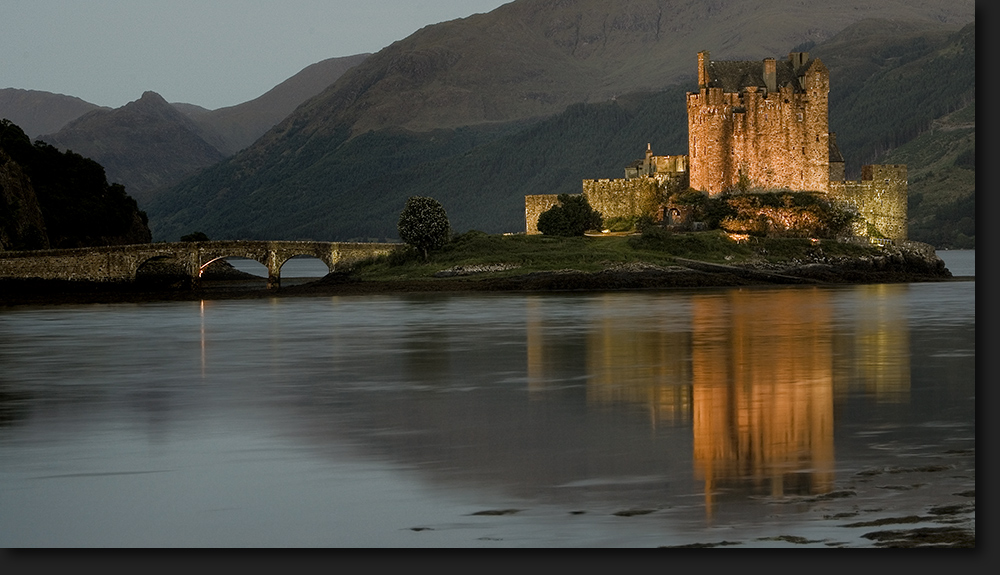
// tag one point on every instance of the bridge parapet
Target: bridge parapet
(120, 263)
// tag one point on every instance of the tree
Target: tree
(423, 224)
(571, 217)
(195, 237)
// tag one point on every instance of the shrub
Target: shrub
(785, 214)
(423, 224)
(571, 217)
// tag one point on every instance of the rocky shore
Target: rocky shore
(908, 262)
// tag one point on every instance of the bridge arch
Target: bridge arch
(121, 263)
(308, 261)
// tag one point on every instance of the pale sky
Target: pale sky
(213, 53)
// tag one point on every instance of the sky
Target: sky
(212, 53)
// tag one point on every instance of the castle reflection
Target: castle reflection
(755, 373)
(873, 355)
(763, 391)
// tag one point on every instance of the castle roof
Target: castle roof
(735, 75)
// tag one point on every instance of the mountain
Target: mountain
(236, 127)
(149, 144)
(143, 145)
(39, 112)
(531, 98)
(532, 58)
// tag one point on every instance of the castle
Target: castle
(758, 125)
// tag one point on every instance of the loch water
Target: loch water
(756, 417)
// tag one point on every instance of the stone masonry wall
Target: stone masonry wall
(880, 198)
(612, 198)
(533, 207)
(622, 198)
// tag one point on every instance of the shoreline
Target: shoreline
(694, 275)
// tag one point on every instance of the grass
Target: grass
(537, 253)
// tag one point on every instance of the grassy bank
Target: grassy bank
(521, 254)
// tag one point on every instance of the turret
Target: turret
(703, 69)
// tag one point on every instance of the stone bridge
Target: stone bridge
(120, 263)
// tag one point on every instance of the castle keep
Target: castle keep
(766, 121)
(753, 125)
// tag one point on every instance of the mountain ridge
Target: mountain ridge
(145, 144)
(38, 112)
(149, 144)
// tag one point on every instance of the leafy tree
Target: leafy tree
(571, 217)
(423, 224)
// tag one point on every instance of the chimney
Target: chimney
(770, 75)
(703, 69)
(798, 59)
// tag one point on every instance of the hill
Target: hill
(148, 144)
(236, 127)
(143, 145)
(309, 178)
(38, 112)
(532, 58)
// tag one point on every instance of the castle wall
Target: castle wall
(880, 198)
(623, 198)
(534, 206)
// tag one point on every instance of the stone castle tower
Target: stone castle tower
(766, 121)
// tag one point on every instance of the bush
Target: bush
(571, 217)
(423, 224)
(785, 214)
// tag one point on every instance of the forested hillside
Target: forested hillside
(76, 204)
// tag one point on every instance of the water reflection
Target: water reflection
(755, 373)
(763, 391)
(689, 403)
(644, 359)
(873, 352)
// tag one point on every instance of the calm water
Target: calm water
(618, 419)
